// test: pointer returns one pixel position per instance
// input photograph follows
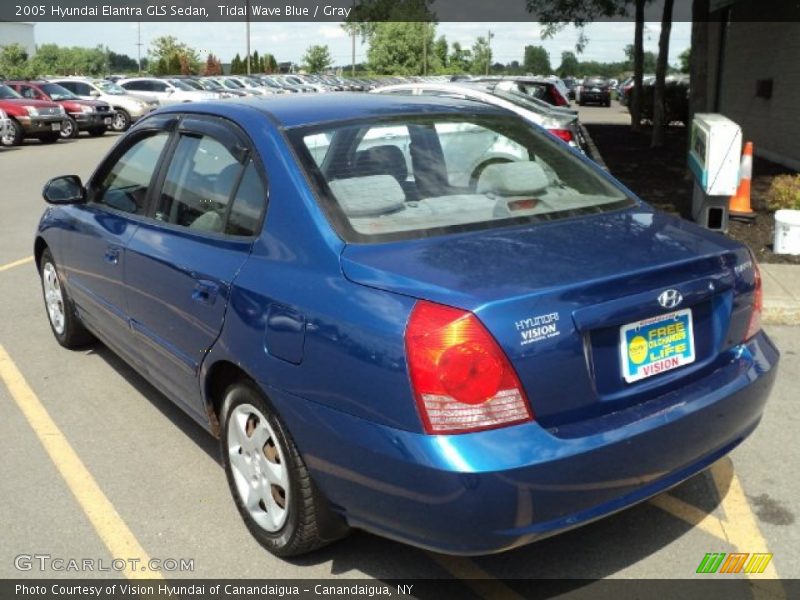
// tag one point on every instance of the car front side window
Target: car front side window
(125, 186)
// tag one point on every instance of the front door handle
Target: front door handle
(205, 291)
(112, 255)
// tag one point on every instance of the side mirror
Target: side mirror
(170, 90)
(67, 189)
(95, 94)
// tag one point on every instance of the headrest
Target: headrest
(371, 196)
(513, 179)
(382, 160)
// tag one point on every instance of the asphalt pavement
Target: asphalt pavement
(97, 464)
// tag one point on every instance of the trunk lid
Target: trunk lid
(555, 296)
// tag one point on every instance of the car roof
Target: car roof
(312, 109)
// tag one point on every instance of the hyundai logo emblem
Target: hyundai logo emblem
(670, 298)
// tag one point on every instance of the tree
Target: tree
(685, 61)
(440, 49)
(659, 108)
(481, 55)
(237, 67)
(569, 64)
(537, 60)
(460, 59)
(400, 47)
(648, 61)
(14, 63)
(213, 65)
(270, 65)
(174, 56)
(698, 92)
(635, 104)
(121, 63)
(317, 58)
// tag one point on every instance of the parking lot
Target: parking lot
(100, 465)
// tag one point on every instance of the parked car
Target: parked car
(29, 118)
(166, 91)
(127, 108)
(402, 355)
(5, 125)
(561, 123)
(92, 116)
(595, 90)
(546, 90)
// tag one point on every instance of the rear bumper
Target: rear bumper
(494, 490)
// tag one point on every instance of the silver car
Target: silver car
(562, 123)
(128, 108)
(166, 91)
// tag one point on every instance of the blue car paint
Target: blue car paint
(319, 325)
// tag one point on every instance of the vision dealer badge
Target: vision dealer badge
(538, 328)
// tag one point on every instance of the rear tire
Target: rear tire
(15, 134)
(268, 479)
(64, 322)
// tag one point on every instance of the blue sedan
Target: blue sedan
(466, 361)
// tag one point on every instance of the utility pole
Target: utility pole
(248, 37)
(139, 45)
(353, 40)
(489, 58)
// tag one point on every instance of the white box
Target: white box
(715, 153)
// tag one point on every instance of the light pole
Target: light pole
(489, 58)
(247, 18)
(139, 45)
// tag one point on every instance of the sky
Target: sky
(288, 41)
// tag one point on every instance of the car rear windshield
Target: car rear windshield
(420, 176)
(57, 92)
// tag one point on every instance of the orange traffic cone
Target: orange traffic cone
(739, 205)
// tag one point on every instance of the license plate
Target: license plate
(55, 126)
(656, 345)
(107, 120)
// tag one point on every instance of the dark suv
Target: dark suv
(93, 116)
(595, 90)
(30, 118)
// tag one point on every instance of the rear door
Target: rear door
(181, 262)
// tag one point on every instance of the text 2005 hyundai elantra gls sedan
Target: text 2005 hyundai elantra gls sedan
(424, 318)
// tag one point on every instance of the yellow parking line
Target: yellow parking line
(691, 514)
(16, 263)
(105, 519)
(740, 524)
(482, 583)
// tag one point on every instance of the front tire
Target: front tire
(14, 135)
(69, 129)
(64, 321)
(121, 121)
(268, 479)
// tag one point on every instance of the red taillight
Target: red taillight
(562, 134)
(558, 99)
(461, 378)
(754, 326)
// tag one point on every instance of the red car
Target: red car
(30, 118)
(93, 116)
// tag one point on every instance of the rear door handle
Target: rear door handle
(112, 255)
(205, 291)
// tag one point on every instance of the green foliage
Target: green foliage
(440, 49)
(317, 58)
(569, 65)
(172, 57)
(685, 61)
(460, 59)
(537, 61)
(237, 65)
(784, 193)
(481, 55)
(213, 65)
(269, 64)
(14, 63)
(650, 60)
(397, 48)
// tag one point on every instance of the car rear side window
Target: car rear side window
(199, 184)
(126, 185)
(248, 204)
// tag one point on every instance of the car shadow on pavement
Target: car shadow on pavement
(595, 551)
